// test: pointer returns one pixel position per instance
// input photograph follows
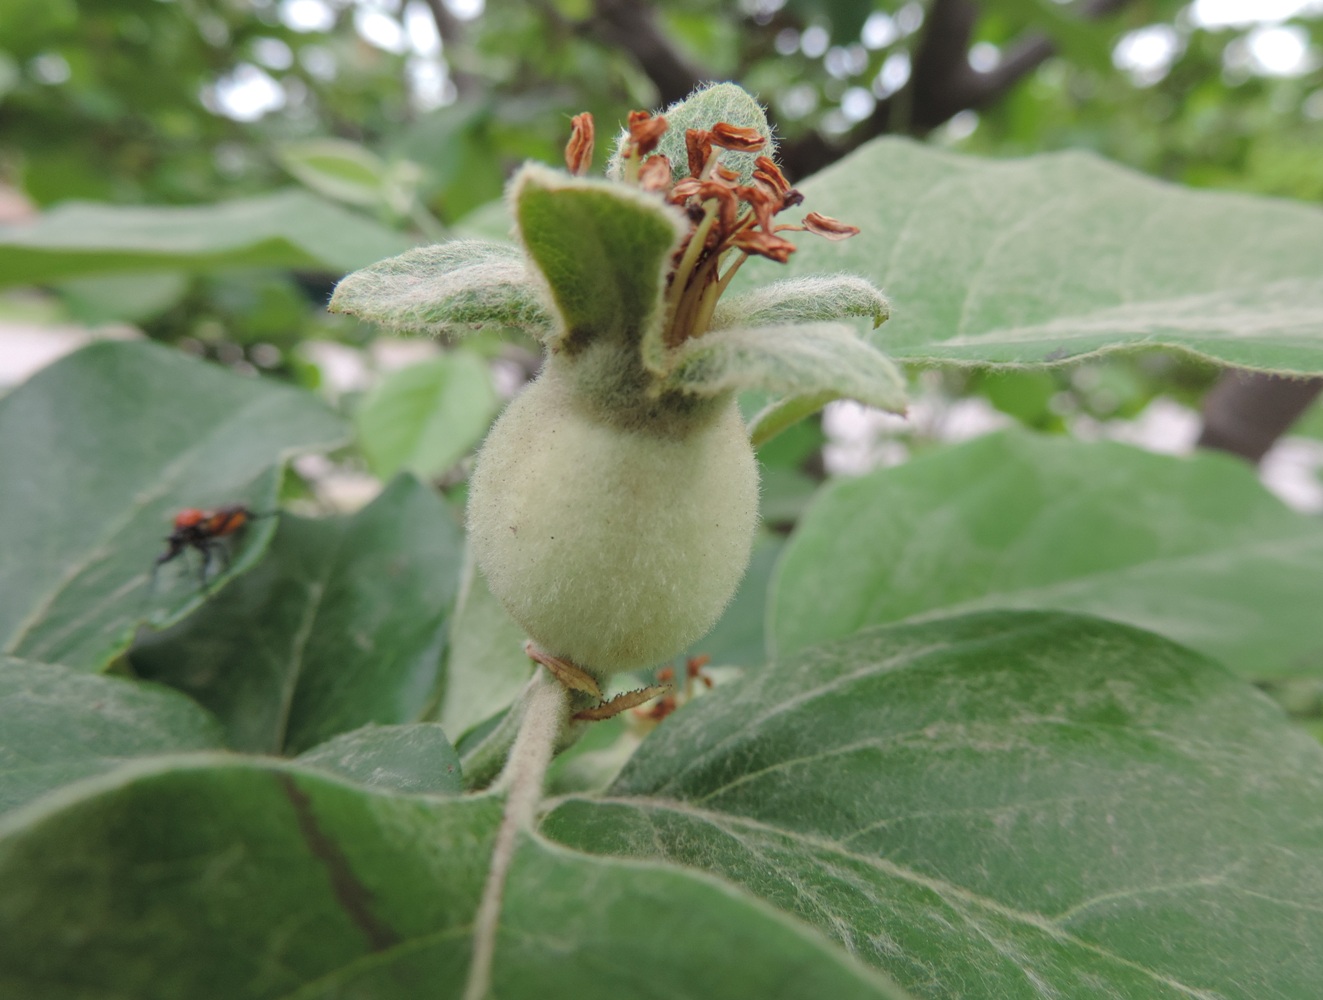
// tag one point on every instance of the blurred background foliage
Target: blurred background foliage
(415, 111)
(327, 132)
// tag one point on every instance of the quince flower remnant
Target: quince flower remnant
(725, 215)
(613, 506)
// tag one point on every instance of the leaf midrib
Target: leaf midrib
(729, 825)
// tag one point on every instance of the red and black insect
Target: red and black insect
(205, 531)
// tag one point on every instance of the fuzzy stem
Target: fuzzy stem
(482, 763)
(522, 780)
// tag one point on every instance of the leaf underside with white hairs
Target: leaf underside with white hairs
(811, 359)
(447, 288)
(812, 299)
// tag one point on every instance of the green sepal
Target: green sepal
(818, 361)
(447, 288)
(780, 416)
(810, 299)
(602, 249)
(718, 102)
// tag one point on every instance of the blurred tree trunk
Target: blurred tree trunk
(1246, 412)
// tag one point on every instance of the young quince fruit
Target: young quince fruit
(614, 502)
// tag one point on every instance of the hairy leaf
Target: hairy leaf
(1194, 549)
(811, 299)
(447, 288)
(58, 725)
(602, 249)
(705, 107)
(1055, 256)
(406, 758)
(1007, 805)
(343, 624)
(265, 882)
(817, 359)
(93, 477)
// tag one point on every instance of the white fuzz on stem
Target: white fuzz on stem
(544, 717)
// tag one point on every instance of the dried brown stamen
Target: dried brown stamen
(766, 170)
(655, 173)
(737, 138)
(579, 150)
(765, 244)
(825, 226)
(645, 131)
(730, 217)
(698, 146)
(621, 703)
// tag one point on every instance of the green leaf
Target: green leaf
(813, 359)
(414, 758)
(286, 229)
(133, 298)
(705, 107)
(1081, 41)
(338, 169)
(218, 877)
(654, 931)
(58, 725)
(487, 666)
(426, 417)
(343, 624)
(1010, 805)
(99, 451)
(447, 288)
(602, 248)
(776, 418)
(1038, 260)
(738, 637)
(812, 299)
(1194, 549)
(27, 25)
(214, 879)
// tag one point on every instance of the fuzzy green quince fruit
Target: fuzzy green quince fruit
(613, 547)
(614, 503)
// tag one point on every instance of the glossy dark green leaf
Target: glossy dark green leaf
(99, 452)
(409, 758)
(1037, 260)
(213, 879)
(343, 624)
(1191, 548)
(285, 229)
(1000, 806)
(58, 725)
